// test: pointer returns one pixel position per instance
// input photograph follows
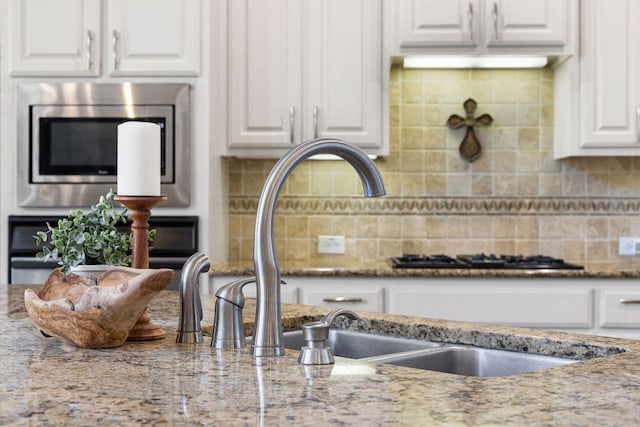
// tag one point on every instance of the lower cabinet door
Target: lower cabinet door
(620, 309)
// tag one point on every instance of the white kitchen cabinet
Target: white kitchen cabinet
(67, 38)
(53, 38)
(481, 26)
(431, 23)
(154, 37)
(582, 305)
(544, 24)
(619, 311)
(597, 95)
(302, 70)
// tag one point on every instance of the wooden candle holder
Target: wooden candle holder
(140, 211)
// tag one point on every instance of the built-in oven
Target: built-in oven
(67, 139)
(175, 241)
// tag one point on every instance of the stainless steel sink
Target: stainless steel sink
(434, 356)
(358, 345)
(473, 361)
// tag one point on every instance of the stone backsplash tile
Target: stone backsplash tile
(514, 199)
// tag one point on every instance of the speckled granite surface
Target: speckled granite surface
(46, 382)
(358, 268)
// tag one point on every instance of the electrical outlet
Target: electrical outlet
(331, 244)
(629, 246)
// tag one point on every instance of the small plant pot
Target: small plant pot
(90, 271)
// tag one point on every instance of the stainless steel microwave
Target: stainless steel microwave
(67, 139)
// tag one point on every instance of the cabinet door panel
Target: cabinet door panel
(437, 23)
(610, 70)
(620, 309)
(523, 22)
(343, 71)
(264, 73)
(154, 37)
(54, 38)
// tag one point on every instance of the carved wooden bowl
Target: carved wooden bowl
(72, 309)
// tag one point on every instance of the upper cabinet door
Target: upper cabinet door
(54, 37)
(597, 94)
(610, 75)
(265, 73)
(154, 37)
(343, 71)
(481, 26)
(299, 70)
(526, 22)
(437, 23)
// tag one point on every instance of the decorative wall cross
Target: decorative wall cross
(470, 148)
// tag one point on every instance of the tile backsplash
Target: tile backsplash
(515, 198)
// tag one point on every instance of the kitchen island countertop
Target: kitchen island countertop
(345, 267)
(46, 382)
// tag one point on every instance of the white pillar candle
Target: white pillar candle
(138, 159)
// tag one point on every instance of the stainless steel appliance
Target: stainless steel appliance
(512, 262)
(67, 139)
(175, 241)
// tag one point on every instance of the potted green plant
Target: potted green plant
(89, 238)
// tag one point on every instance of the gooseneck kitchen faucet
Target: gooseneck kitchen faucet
(267, 336)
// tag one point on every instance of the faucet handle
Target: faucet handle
(316, 334)
(232, 292)
(228, 330)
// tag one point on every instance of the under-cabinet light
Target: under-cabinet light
(485, 61)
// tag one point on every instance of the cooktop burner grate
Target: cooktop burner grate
(519, 262)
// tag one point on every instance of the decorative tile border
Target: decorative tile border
(443, 205)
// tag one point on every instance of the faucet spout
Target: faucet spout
(267, 336)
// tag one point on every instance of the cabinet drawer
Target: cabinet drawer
(361, 299)
(620, 309)
(531, 308)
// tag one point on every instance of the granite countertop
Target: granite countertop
(345, 267)
(46, 382)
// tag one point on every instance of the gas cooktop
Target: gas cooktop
(513, 262)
